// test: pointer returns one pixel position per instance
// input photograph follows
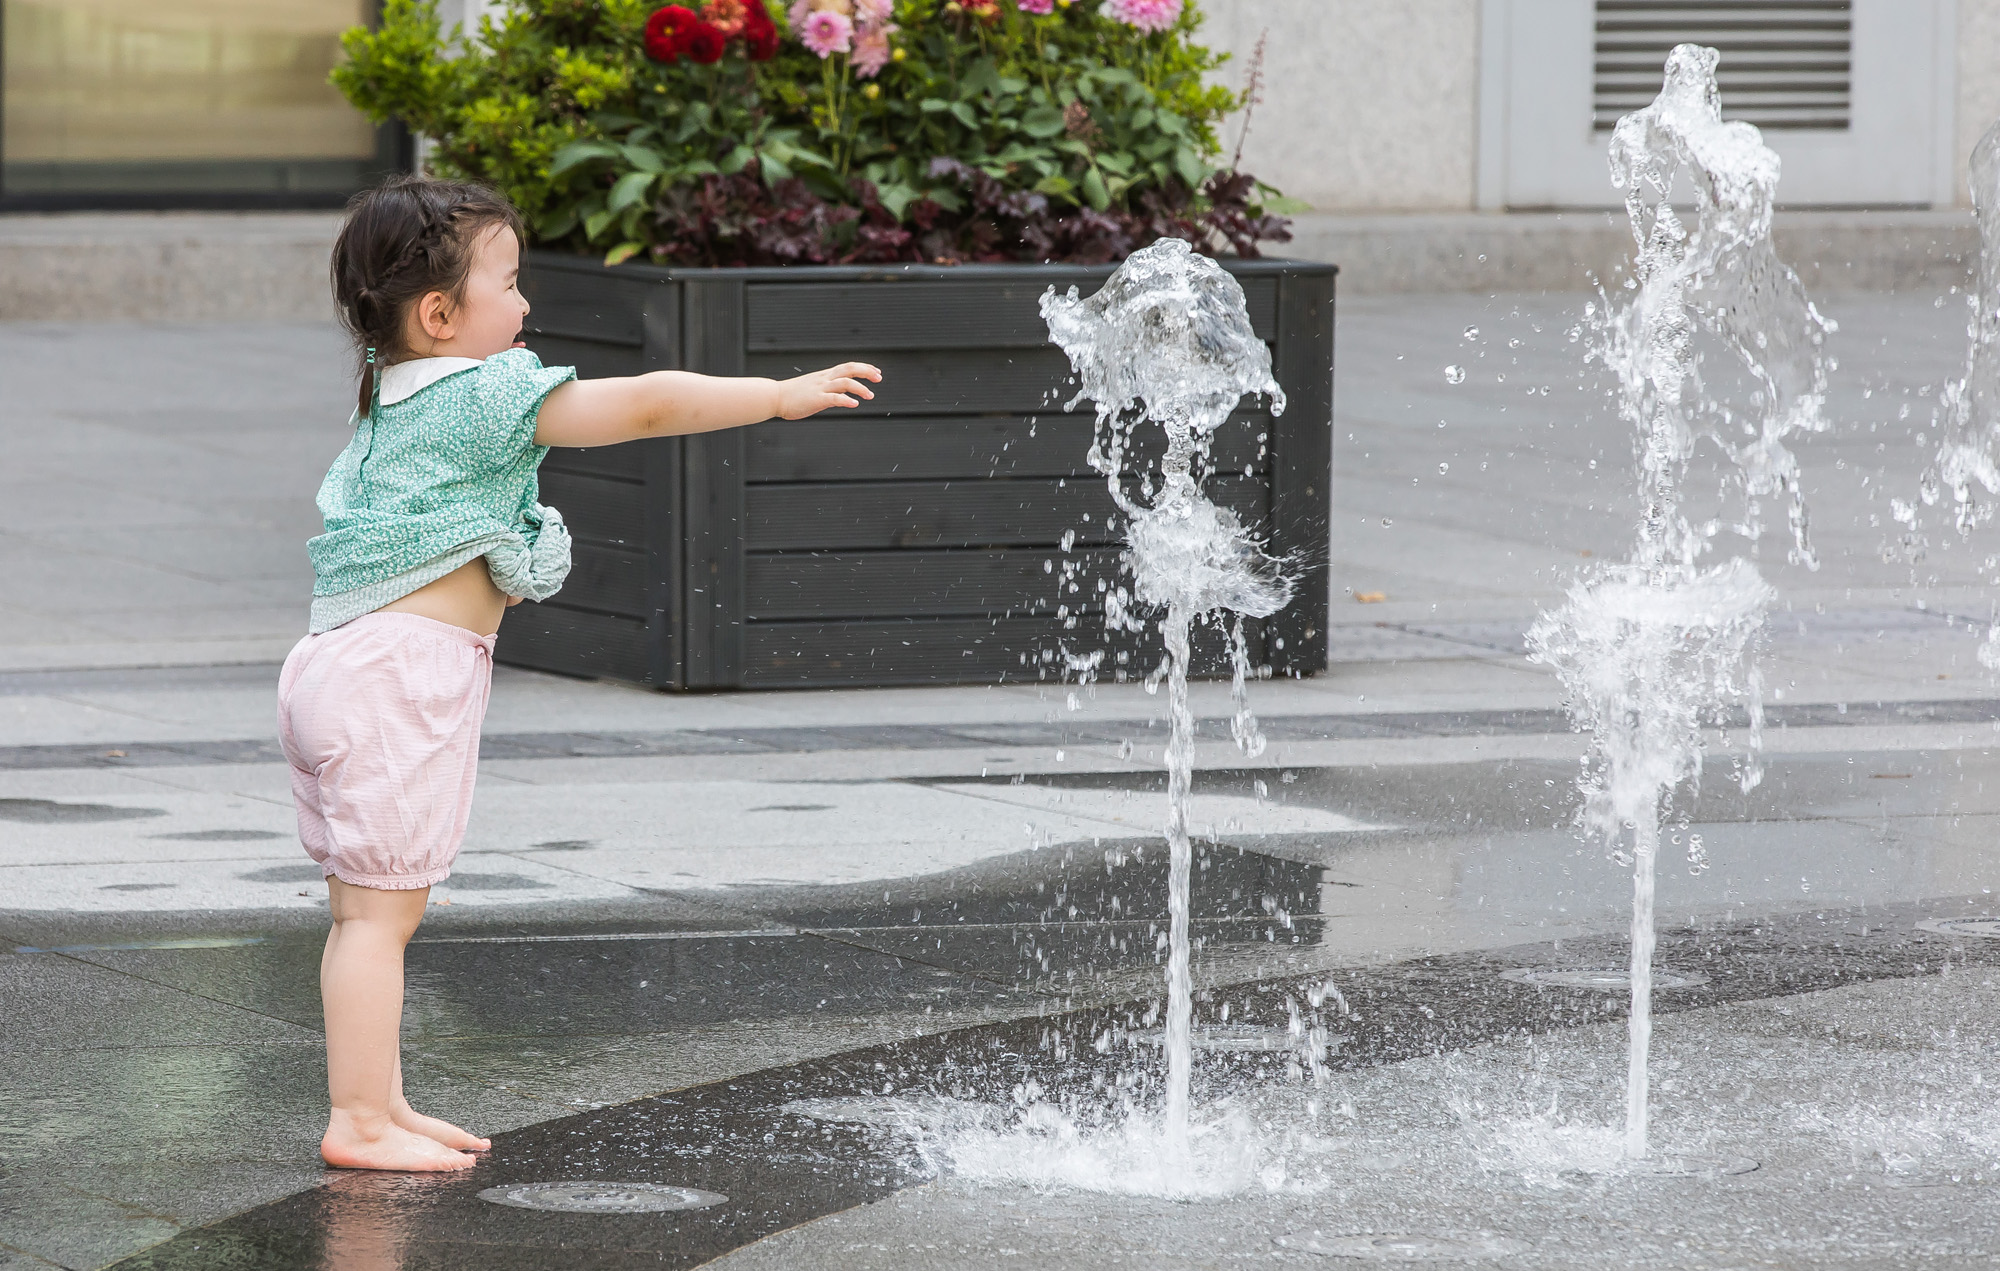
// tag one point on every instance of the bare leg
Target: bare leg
(361, 984)
(416, 1122)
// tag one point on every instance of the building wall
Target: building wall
(1978, 95)
(1369, 105)
(1372, 105)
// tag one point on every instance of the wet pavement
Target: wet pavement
(881, 968)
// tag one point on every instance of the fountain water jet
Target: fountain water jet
(1167, 339)
(1970, 447)
(1651, 650)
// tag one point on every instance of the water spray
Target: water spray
(1168, 339)
(1653, 650)
(1969, 450)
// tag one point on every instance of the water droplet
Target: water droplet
(1454, 375)
(1443, 468)
(1472, 333)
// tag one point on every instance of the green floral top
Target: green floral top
(441, 472)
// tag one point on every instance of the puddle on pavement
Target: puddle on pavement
(52, 812)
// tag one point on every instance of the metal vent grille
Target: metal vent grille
(1786, 64)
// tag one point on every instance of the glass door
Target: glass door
(165, 102)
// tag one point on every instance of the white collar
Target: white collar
(407, 379)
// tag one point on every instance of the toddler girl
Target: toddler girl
(432, 530)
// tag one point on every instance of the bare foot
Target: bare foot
(431, 1128)
(387, 1146)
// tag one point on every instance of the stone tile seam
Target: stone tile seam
(832, 936)
(38, 1258)
(311, 1033)
(615, 744)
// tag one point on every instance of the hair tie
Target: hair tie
(371, 355)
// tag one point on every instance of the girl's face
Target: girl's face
(486, 317)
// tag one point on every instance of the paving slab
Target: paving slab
(938, 912)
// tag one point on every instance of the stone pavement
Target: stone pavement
(678, 916)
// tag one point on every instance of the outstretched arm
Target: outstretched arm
(671, 403)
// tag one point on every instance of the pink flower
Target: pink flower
(871, 50)
(1036, 7)
(827, 33)
(1146, 15)
(876, 12)
(802, 9)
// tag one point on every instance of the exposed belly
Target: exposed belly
(466, 597)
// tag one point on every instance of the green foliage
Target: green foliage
(557, 105)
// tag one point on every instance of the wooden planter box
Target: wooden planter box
(917, 540)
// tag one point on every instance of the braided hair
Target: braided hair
(401, 241)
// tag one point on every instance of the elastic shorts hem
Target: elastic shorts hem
(389, 882)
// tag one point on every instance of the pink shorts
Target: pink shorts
(380, 720)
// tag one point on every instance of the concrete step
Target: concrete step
(1574, 251)
(166, 266)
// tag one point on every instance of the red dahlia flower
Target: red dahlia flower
(667, 32)
(760, 34)
(704, 44)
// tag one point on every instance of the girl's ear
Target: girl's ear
(434, 315)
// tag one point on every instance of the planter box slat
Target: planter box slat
(835, 317)
(607, 580)
(948, 651)
(809, 552)
(552, 636)
(601, 357)
(1302, 469)
(795, 586)
(591, 306)
(713, 495)
(919, 514)
(597, 509)
(620, 463)
(945, 381)
(960, 448)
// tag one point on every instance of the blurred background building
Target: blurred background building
(132, 103)
(1442, 144)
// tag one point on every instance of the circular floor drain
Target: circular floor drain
(1983, 928)
(1404, 1248)
(601, 1198)
(1608, 981)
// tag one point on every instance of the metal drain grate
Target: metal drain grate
(1981, 928)
(1606, 981)
(601, 1198)
(1404, 1248)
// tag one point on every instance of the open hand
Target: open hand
(815, 391)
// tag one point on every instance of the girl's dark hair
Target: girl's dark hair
(402, 240)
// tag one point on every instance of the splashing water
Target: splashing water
(1651, 650)
(1167, 339)
(1970, 449)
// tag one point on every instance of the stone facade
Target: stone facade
(1374, 107)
